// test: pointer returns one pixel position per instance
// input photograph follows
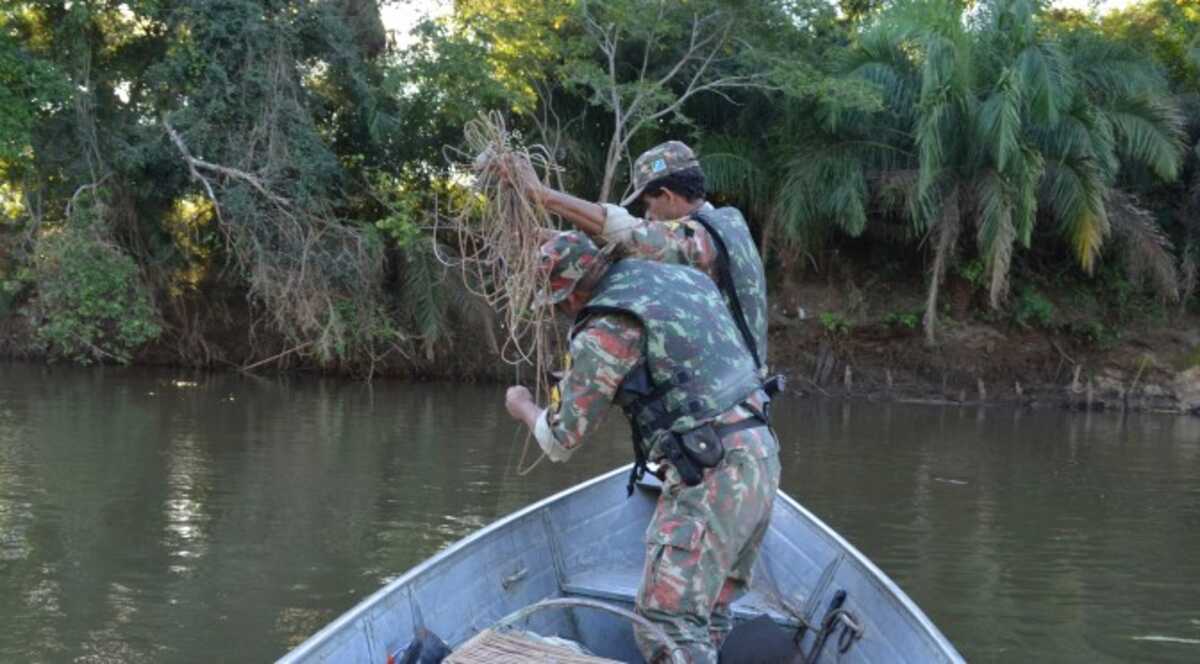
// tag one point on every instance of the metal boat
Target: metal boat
(587, 543)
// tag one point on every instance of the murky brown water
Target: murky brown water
(165, 517)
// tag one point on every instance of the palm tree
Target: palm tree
(1189, 209)
(986, 123)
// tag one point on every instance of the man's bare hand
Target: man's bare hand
(519, 172)
(513, 168)
(518, 401)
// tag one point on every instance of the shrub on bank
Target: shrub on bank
(91, 304)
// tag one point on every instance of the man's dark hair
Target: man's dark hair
(688, 183)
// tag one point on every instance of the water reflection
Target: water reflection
(163, 517)
(1063, 534)
(187, 472)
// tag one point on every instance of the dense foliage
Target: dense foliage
(233, 181)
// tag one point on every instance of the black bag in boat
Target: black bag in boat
(758, 641)
(425, 648)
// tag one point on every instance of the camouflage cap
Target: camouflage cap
(659, 161)
(565, 259)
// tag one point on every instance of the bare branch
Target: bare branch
(639, 106)
(187, 158)
(194, 163)
(92, 186)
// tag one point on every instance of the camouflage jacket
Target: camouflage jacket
(671, 319)
(688, 242)
(603, 351)
(681, 241)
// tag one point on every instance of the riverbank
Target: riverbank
(841, 344)
(835, 341)
(874, 362)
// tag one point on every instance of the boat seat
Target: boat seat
(622, 586)
(495, 647)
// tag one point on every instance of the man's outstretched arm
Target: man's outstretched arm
(603, 352)
(585, 215)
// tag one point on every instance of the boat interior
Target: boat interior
(587, 544)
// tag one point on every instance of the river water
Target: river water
(158, 516)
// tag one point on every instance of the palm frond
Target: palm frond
(1107, 69)
(887, 45)
(997, 232)
(894, 191)
(734, 168)
(1150, 132)
(1074, 189)
(1070, 136)
(998, 123)
(1031, 168)
(1045, 80)
(421, 290)
(883, 59)
(1188, 272)
(1082, 133)
(943, 100)
(930, 139)
(1147, 253)
(823, 188)
(927, 204)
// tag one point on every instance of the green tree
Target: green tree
(988, 122)
(270, 109)
(1170, 30)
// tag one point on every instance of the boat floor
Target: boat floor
(492, 647)
(622, 586)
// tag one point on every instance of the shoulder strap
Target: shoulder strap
(725, 283)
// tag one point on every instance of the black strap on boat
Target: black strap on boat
(852, 630)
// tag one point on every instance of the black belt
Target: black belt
(752, 422)
(756, 419)
(725, 430)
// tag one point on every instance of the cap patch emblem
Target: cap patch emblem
(658, 165)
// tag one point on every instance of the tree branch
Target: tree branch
(194, 163)
(640, 104)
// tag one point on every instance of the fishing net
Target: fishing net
(498, 233)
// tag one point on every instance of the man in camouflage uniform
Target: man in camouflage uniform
(641, 325)
(680, 227)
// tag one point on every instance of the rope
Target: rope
(499, 231)
(562, 602)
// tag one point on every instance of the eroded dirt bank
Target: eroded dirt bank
(840, 341)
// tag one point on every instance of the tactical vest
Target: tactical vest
(696, 366)
(739, 275)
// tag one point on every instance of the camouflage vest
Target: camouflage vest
(744, 285)
(695, 364)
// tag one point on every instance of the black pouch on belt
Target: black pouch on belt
(703, 446)
(689, 472)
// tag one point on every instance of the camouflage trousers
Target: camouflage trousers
(702, 544)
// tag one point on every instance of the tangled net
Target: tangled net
(498, 234)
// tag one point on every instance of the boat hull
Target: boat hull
(588, 542)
